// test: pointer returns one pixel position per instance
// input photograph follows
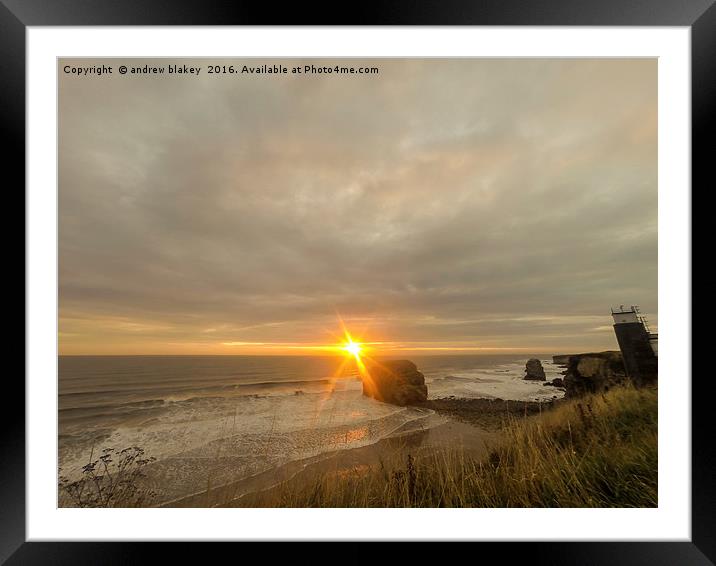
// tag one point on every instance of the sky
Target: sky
(440, 206)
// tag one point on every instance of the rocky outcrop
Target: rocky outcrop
(593, 373)
(396, 381)
(556, 382)
(491, 414)
(534, 370)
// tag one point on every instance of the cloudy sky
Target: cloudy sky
(468, 205)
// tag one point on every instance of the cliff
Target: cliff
(396, 381)
(593, 372)
(561, 360)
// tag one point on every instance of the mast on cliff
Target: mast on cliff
(637, 343)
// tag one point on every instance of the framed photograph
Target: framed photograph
(296, 279)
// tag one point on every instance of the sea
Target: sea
(213, 420)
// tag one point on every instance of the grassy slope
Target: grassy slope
(598, 451)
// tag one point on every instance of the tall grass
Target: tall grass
(598, 451)
(112, 480)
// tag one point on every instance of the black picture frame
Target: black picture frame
(17, 15)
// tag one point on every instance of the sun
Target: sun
(352, 348)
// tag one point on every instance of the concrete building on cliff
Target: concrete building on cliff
(639, 346)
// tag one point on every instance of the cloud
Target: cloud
(500, 202)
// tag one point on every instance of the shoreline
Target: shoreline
(472, 424)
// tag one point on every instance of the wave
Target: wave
(209, 387)
(119, 399)
(144, 404)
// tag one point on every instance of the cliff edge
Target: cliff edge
(591, 372)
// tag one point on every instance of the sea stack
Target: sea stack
(534, 370)
(396, 381)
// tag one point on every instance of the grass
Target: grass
(597, 451)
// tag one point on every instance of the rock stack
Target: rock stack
(396, 381)
(534, 370)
